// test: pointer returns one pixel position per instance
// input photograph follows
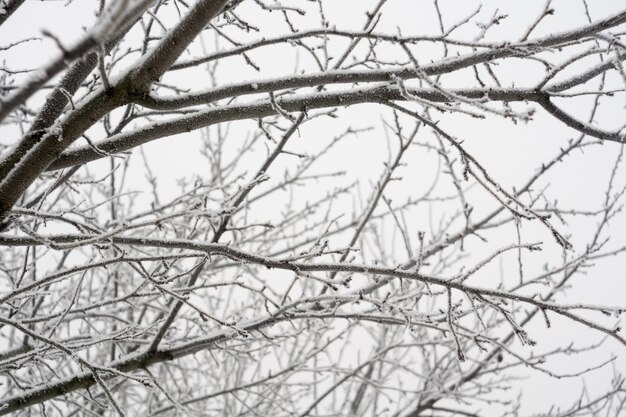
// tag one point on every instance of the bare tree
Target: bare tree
(278, 279)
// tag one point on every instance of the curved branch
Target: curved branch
(125, 141)
(582, 127)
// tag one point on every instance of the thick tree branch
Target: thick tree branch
(106, 27)
(41, 153)
(10, 6)
(126, 141)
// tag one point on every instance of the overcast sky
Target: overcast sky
(509, 152)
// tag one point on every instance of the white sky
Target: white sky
(509, 152)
